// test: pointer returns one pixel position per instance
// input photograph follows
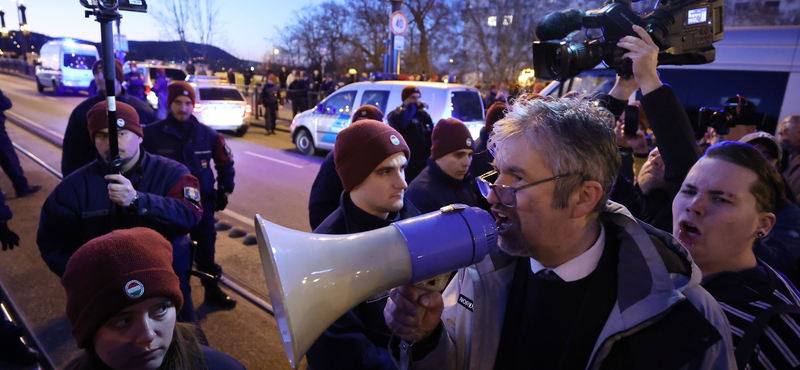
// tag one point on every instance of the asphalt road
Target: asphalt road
(271, 180)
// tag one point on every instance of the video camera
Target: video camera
(684, 31)
(736, 111)
(111, 7)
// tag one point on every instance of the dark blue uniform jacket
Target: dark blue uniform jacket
(78, 147)
(79, 209)
(360, 338)
(433, 189)
(195, 145)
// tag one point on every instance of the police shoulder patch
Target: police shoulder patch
(191, 194)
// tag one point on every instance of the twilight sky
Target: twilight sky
(245, 22)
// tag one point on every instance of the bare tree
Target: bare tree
(175, 16)
(435, 22)
(207, 24)
(369, 29)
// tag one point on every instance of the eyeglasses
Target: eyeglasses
(507, 194)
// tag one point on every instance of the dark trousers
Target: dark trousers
(295, 107)
(186, 313)
(10, 162)
(270, 117)
(206, 237)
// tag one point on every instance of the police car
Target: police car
(316, 128)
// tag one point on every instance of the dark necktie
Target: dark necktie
(549, 275)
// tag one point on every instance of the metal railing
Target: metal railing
(16, 66)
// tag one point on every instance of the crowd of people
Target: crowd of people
(616, 250)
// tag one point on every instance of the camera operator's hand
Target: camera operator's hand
(120, 190)
(643, 52)
(624, 88)
(7, 237)
(400, 313)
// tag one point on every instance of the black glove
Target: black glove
(222, 200)
(8, 237)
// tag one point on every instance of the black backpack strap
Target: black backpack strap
(746, 347)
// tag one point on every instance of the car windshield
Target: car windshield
(216, 93)
(467, 106)
(79, 61)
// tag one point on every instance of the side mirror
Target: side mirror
(321, 108)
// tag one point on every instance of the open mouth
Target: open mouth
(503, 222)
(689, 233)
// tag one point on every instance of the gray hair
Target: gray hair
(572, 135)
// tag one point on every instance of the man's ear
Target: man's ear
(766, 221)
(585, 199)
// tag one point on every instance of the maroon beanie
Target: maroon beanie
(127, 118)
(408, 91)
(448, 136)
(114, 271)
(361, 147)
(368, 112)
(495, 113)
(97, 67)
(179, 88)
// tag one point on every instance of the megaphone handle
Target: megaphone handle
(437, 283)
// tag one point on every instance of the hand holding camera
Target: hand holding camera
(643, 52)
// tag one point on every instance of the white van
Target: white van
(65, 65)
(317, 128)
(759, 63)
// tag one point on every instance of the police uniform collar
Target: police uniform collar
(443, 177)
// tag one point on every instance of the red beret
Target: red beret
(495, 113)
(114, 271)
(97, 67)
(448, 136)
(368, 112)
(408, 91)
(179, 88)
(127, 118)
(361, 147)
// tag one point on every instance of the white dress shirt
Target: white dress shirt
(578, 267)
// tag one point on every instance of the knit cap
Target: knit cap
(127, 118)
(408, 91)
(97, 67)
(448, 136)
(179, 88)
(114, 271)
(361, 147)
(368, 112)
(495, 113)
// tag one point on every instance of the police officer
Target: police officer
(11, 347)
(327, 187)
(78, 149)
(135, 81)
(446, 180)
(8, 156)
(415, 124)
(370, 157)
(182, 138)
(151, 191)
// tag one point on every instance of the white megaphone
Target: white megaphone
(314, 279)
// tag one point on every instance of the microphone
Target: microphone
(558, 25)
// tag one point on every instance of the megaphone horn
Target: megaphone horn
(314, 279)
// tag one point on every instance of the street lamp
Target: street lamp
(23, 26)
(3, 31)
